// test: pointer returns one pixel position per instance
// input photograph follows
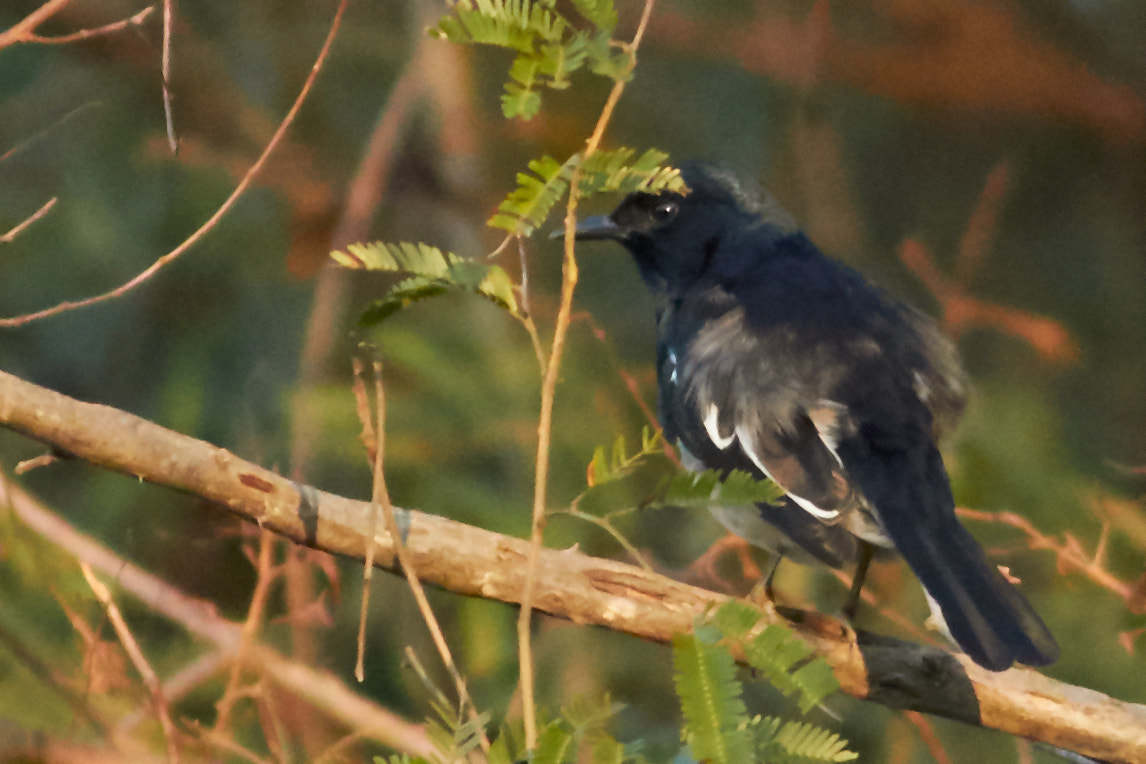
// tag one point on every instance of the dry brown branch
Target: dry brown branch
(165, 68)
(23, 32)
(552, 368)
(223, 209)
(319, 689)
(138, 659)
(248, 634)
(961, 311)
(569, 584)
(1068, 553)
(380, 498)
(19, 228)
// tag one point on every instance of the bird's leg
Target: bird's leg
(852, 603)
(764, 584)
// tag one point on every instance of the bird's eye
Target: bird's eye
(664, 212)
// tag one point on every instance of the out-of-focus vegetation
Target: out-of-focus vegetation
(985, 159)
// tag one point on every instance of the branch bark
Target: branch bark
(569, 584)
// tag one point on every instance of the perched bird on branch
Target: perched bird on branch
(775, 359)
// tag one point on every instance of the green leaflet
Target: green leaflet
(708, 488)
(810, 743)
(600, 12)
(714, 713)
(604, 469)
(778, 655)
(553, 744)
(717, 726)
(549, 48)
(528, 205)
(434, 273)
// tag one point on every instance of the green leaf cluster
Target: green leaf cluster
(434, 273)
(717, 725)
(528, 205)
(714, 488)
(777, 654)
(614, 476)
(580, 730)
(549, 46)
(605, 468)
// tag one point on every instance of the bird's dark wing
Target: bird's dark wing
(749, 404)
(728, 410)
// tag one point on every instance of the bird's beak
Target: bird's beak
(596, 227)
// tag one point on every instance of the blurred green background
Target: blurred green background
(1005, 140)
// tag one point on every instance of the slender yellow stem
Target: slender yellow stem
(381, 499)
(569, 275)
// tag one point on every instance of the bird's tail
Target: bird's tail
(986, 615)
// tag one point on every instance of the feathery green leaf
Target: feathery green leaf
(708, 488)
(777, 654)
(811, 743)
(715, 717)
(553, 744)
(604, 469)
(529, 204)
(434, 273)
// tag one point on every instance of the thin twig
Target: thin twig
(138, 659)
(526, 310)
(19, 229)
(1069, 553)
(381, 498)
(373, 450)
(84, 34)
(548, 390)
(42, 133)
(24, 30)
(982, 224)
(930, 739)
(168, 116)
(249, 632)
(151, 270)
(604, 524)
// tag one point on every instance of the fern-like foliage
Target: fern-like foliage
(553, 744)
(712, 487)
(614, 476)
(617, 171)
(580, 726)
(600, 12)
(717, 725)
(453, 735)
(434, 273)
(716, 720)
(777, 654)
(605, 468)
(528, 205)
(799, 741)
(549, 47)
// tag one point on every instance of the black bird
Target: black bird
(775, 359)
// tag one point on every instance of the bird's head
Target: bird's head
(677, 239)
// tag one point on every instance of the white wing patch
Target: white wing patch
(746, 445)
(712, 427)
(672, 363)
(828, 418)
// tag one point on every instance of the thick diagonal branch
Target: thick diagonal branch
(569, 584)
